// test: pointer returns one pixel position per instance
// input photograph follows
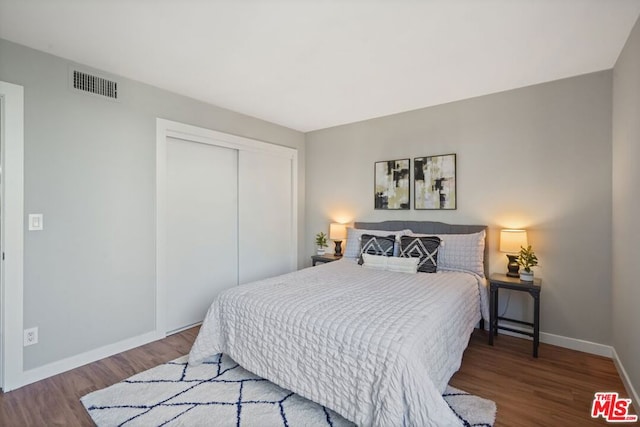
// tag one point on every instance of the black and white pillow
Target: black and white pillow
(425, 248)
(376, 245)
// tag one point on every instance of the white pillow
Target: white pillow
(461, 252)
(399, 265)
(375, 262)
(352, 248)
(403, 265)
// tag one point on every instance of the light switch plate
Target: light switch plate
(36, 222)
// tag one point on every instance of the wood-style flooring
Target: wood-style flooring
(554, 390)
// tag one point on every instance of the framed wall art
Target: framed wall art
(391, 184)
(434, 182)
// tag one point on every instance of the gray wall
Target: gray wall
(537, 157)
(626, 207)
(90, 169)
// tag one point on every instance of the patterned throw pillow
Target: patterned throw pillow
(354, 235)
(376, 245)
(425, 248)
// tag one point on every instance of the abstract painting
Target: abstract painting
(392, 184)
(434, 182)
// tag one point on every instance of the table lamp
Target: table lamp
(510, 242)
(337, 233)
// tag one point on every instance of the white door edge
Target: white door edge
(12, 235)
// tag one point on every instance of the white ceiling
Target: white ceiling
(312, 64)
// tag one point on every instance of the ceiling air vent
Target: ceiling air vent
(96, 85)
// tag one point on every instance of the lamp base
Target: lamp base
(338, 251)
(513, 266)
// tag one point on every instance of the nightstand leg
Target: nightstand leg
(536, 323)
(495, 312)
(492, 304)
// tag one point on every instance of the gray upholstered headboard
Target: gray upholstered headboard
(429, 227)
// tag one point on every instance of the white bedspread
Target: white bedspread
(377, 347)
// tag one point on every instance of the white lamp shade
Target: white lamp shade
(512, 240)
(337, 231)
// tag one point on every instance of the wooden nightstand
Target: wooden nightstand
(498, 281)
(324, 258)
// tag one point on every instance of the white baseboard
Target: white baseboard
(565, 342)
(55, 368)
(184, 328)
(577, 344)
(626, 381)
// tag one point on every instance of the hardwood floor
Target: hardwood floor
(55, 401)
(554, 390)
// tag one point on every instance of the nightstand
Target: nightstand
(324, 258)
(502, 281)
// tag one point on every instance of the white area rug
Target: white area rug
(220, 392)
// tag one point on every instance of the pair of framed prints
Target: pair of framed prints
(434, 183)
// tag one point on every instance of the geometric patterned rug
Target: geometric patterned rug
(220, 392)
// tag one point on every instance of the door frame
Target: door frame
(171, 129)
(12, 236)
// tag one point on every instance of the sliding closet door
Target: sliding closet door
(202, 228)
(267, 226)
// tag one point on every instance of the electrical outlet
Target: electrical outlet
(30, 336)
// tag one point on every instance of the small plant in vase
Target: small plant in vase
(321, 242)
(526, 260)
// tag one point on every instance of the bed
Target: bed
(376, 346)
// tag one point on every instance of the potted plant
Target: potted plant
(526, 260)
(321, 242)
